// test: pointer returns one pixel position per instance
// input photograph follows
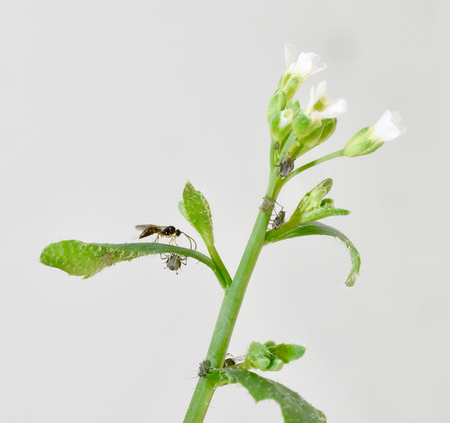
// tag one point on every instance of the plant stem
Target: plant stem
(221, 269)
(339, 153)
(229, 311)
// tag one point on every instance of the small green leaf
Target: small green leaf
(196, 210)
(287, 352)
(317, 228)
(81, 259)
(322, 213)
(293, 407)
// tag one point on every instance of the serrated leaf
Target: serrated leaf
(293, 407)
(317, 228)
(196, 210)
(82, 259)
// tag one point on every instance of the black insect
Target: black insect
(286, 167)
(279, 219)
(164, 231)
(234, 361)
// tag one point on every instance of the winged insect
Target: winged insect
(164, 232)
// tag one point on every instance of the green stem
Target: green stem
(339, 153)
(221, 269)
(229, 311)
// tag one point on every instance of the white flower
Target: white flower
(302, 66)
(371, 138)
(387, 128)
(319, 107)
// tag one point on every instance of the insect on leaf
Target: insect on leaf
(293, 407)
(195, 209)
(317, 228)
(81, 259)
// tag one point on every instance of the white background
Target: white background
(107, 108)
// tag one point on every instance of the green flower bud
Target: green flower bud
(276, 365)
(301, 124)
(329, 126)
(313, 199)
(262, 363)
(294, 105)
(280, 125)
(258, 356)
(291, 87)
(361, 144)
(327, 202)
(276, 104)
(372, 138)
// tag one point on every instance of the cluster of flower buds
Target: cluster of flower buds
(295, 130)
(270, 356)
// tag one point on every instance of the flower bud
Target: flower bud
(313, 199)
(275, 365)
(276, 104)
(294, 105)
(369, 139)
(301, 124)
(280, 125)
(298, 68)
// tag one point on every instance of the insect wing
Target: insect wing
(148, 230)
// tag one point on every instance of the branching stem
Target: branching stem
(231, 305)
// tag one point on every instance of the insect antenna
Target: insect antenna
(191, 240)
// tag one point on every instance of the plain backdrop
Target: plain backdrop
(107, 108)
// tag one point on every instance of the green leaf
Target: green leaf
(287, 352)
(322, 213)
(317, 228)
(293, 407)
(81, 259)
(270, 356)
(196, 210)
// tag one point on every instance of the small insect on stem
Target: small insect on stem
(164, 231)
(107, 259)
(174, 261)
(279, 219)
(204, 368)
(286, 167)
(234, 361)
(267, 204)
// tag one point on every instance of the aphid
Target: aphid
(164, 231)
(234, 361)
(107, 259)
(174, 261)
(286, 167)
(279, 219)
(267, 204)
(204, 368)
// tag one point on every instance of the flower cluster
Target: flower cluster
(295, 130)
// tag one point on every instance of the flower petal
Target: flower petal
(387, 127)
(316, 65)
(290, 54)
(303, 65)
(333, 110)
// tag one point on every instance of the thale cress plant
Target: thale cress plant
(294, 130)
